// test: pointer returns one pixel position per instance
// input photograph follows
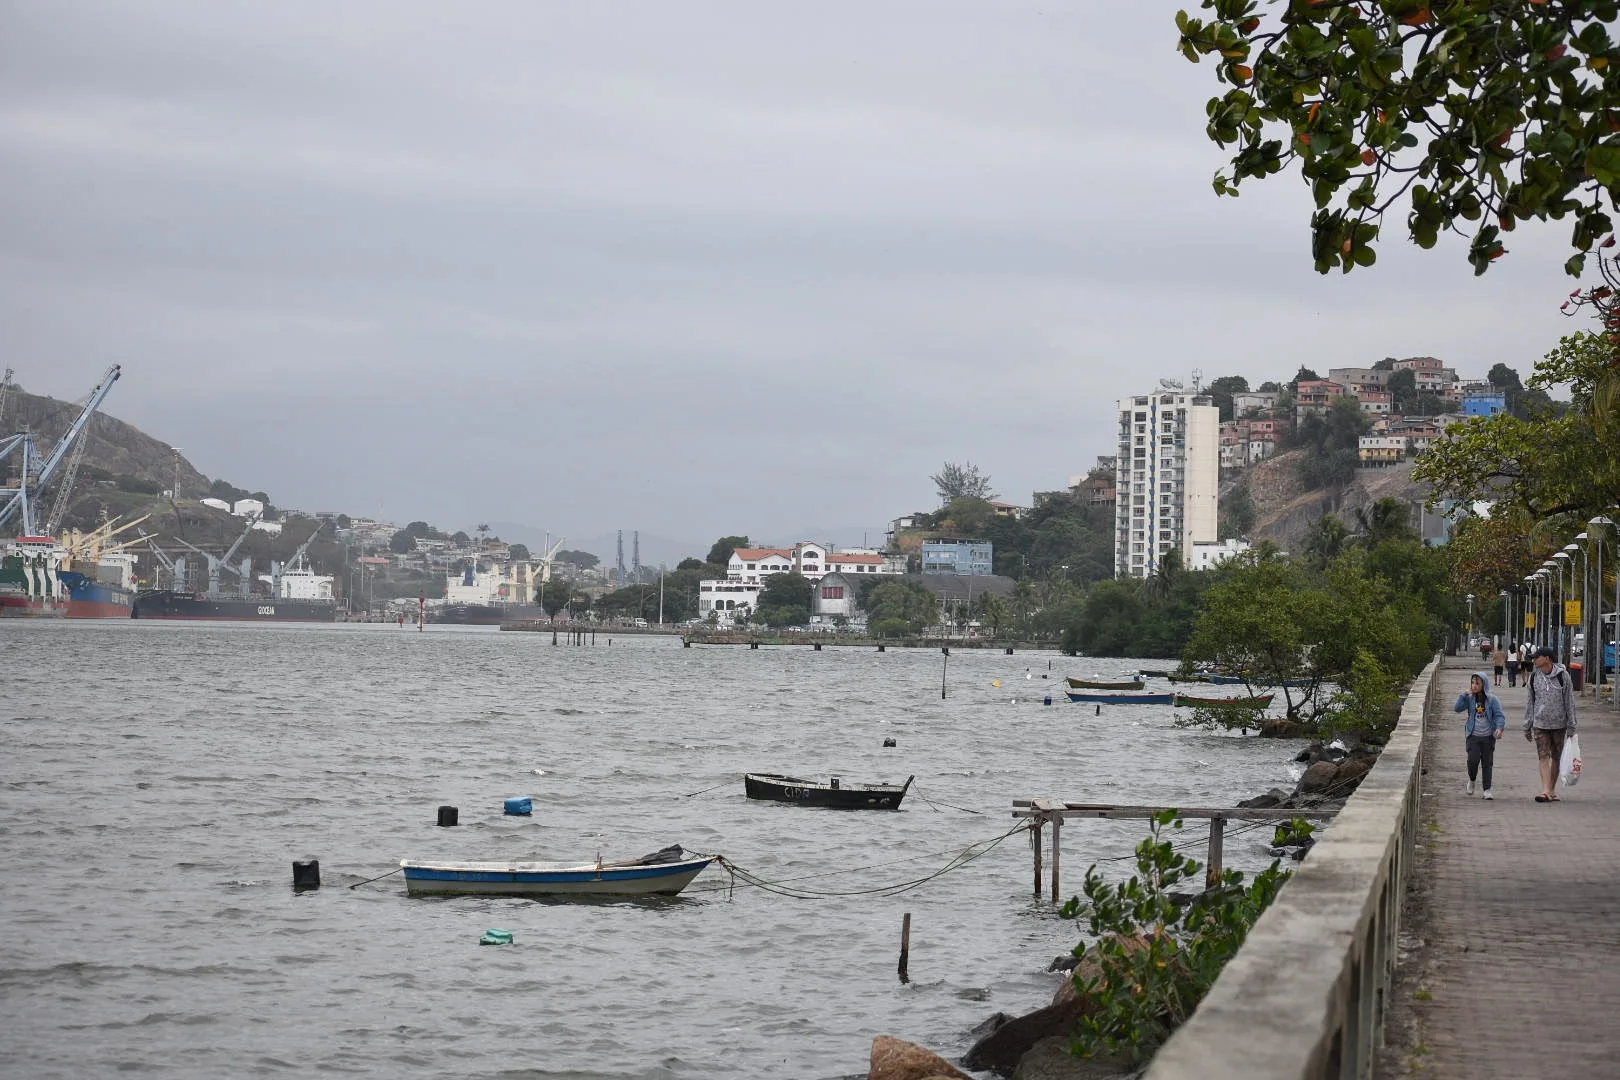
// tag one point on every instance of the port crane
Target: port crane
(277, 568)
(18, 503)
(176, 567)
(215, 563)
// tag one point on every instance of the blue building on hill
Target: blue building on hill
(948, 555)
(1484, 402)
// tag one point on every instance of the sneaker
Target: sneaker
(1470, 789)
(1487, 794)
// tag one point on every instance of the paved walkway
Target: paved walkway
(1513, 927)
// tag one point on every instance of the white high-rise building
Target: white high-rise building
(1167, 477)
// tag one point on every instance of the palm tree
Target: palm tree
(1327, 540)
(1386, 519)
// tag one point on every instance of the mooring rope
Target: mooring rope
(935, 807)
(379, 877)
(959, 858)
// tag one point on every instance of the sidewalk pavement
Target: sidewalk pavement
(1510, 961)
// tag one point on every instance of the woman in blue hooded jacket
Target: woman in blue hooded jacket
(1486, 722)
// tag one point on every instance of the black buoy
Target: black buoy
(882, 648)
(306, 875)
(449, 815)
(1099, 710)
(946, 649)
(890, 742)
(1009, 650)
(1048, 699)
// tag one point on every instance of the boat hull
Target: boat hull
(24, 607)
(791, 789)
(1120, 699)
(484, 614)
(1094, 684)
(90, 599)
(1189, 701)
(162, 604)
(542, 880)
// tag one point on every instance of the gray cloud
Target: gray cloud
(691, 268)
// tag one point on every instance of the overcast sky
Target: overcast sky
(686, 267)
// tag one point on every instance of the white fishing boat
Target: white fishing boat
(663, 872)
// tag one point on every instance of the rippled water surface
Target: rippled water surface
(159, 780)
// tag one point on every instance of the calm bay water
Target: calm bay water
(160, 779)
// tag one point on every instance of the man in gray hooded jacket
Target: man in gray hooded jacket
(1549, 717)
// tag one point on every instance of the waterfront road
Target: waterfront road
(1510, 962)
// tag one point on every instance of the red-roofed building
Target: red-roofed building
(749, 567)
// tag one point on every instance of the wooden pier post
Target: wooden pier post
(1212, 871)
(1035, 828)
(1057, 856)
(905, 945)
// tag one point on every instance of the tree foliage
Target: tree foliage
(1221, 390)
(785, 599)
(720, 552)
(961, 481)
(1549, 465)
(895, 602)
(1485, 113)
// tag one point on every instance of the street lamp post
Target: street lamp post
(1468, 636)
(1507, 620)
(1595, 641)
(1563, 559)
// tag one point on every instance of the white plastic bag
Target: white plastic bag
(1569, 769)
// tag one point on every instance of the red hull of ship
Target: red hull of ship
(95, 609)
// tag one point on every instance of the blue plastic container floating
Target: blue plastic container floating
(524, 805)
(496, 937)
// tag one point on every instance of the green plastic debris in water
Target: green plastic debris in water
(496, 937)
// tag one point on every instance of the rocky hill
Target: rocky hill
(1286, 511)
(114, 449)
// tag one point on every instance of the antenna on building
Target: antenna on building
(622, 582)
(1198, 380)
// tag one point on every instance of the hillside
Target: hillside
(1286, 511)
(115, 448)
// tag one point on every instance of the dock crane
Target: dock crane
(19, 495)
(216, 562)
(175, 567)
(276, 568)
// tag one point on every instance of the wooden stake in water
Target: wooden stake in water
(946, 666)
(905, 946)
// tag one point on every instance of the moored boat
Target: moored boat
(29, 585)
(1098, 684)
(1193, 701)
(663, 873)
(168, 604)
(833, 793)
(1107, 698)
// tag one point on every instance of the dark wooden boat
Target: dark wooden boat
(833, 793)
(1104, 697)
(1186, 701)
(1096, 684)
(1147, 673)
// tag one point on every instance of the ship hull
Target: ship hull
(88, 599)
(189, 606)
(484, 614)
(22, 607)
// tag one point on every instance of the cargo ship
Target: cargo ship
(169, 604)
(29, 585)
(293, 593)
(484, 614)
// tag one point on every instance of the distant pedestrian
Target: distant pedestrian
(1498, 662)
(1513, 663)
(1549, 717)
(1485, 650)
(1524, 659)
(1486, 723)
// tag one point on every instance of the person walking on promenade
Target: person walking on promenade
(1498, 662)
(1486, 723)
(1549, 717)
(1513, 663)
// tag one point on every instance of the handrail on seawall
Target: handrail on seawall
(1305, 996)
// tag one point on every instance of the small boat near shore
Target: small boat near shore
(792, 789)
(1106, 698)
(663, 873)
(1098, 684)
(1192, 701)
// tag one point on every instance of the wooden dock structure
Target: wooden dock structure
(1040, 812)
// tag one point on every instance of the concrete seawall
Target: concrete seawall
(1306, 995)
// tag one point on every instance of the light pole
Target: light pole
(1507, 620)
(1563, 559)
(1548, 568)
(1600, 525)
(1469, 637)
(174, 489)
